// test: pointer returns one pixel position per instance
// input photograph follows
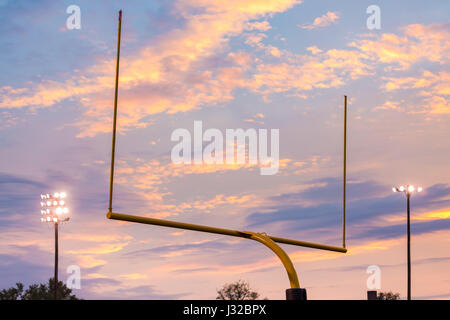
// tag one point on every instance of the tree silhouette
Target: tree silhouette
(13, 293)
(388, 296)
(42, 291)
(239, 290)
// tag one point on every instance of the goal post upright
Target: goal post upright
(344, 175)
(295, 292)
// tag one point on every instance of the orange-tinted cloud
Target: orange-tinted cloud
(165, 77)
(299, 256)
(322, 21)
(149, 181)
(432, 88)
(171, 75)
(417, 43)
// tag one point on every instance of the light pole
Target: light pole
(54, 210)
(408, 190)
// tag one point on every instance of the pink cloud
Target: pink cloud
(322, 21)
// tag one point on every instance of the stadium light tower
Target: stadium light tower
(408, 190)
(54, 210)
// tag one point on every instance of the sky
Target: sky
(231, 64)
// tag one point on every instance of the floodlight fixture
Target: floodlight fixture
(408, 190)
(54, 210)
